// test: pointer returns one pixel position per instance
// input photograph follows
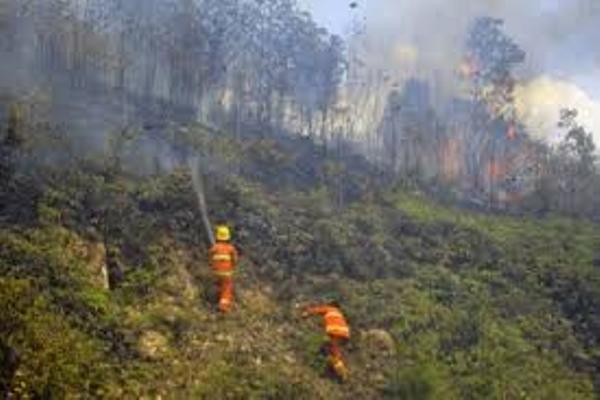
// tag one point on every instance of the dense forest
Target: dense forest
(267, 68)
(465, 252)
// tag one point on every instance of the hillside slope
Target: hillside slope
(105, 290)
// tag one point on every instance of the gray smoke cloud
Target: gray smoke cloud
(550, 30)
(425, 39)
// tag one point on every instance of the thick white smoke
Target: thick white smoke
(545, 28)
(425, 39)
(539, 103)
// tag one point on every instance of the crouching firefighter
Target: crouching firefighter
(223, 261)
(338, 332)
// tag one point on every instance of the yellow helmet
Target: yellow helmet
(223, 233)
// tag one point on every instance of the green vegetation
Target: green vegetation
(105, 291)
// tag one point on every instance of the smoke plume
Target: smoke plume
(406, 39)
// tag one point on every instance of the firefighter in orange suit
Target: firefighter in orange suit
(338, 331)
(223, 261)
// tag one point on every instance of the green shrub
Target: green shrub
(422, 382)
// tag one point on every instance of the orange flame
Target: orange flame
(496, 169)
(511, 133)
(468, 68)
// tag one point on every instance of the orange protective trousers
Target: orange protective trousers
(335, 354)
(335, 347)
(225, 293)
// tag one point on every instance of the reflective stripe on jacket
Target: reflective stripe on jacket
(223, 258)
(335, 324)
(334, 321)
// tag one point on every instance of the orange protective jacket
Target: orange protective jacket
(333, 319)
(223, 259)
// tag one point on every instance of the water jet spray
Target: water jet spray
(194, 165)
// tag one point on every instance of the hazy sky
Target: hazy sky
(561, 38)
(333, 14)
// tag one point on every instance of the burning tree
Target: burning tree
(489, 62)
(491, 56)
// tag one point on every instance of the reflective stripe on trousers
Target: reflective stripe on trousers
(225, 293)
